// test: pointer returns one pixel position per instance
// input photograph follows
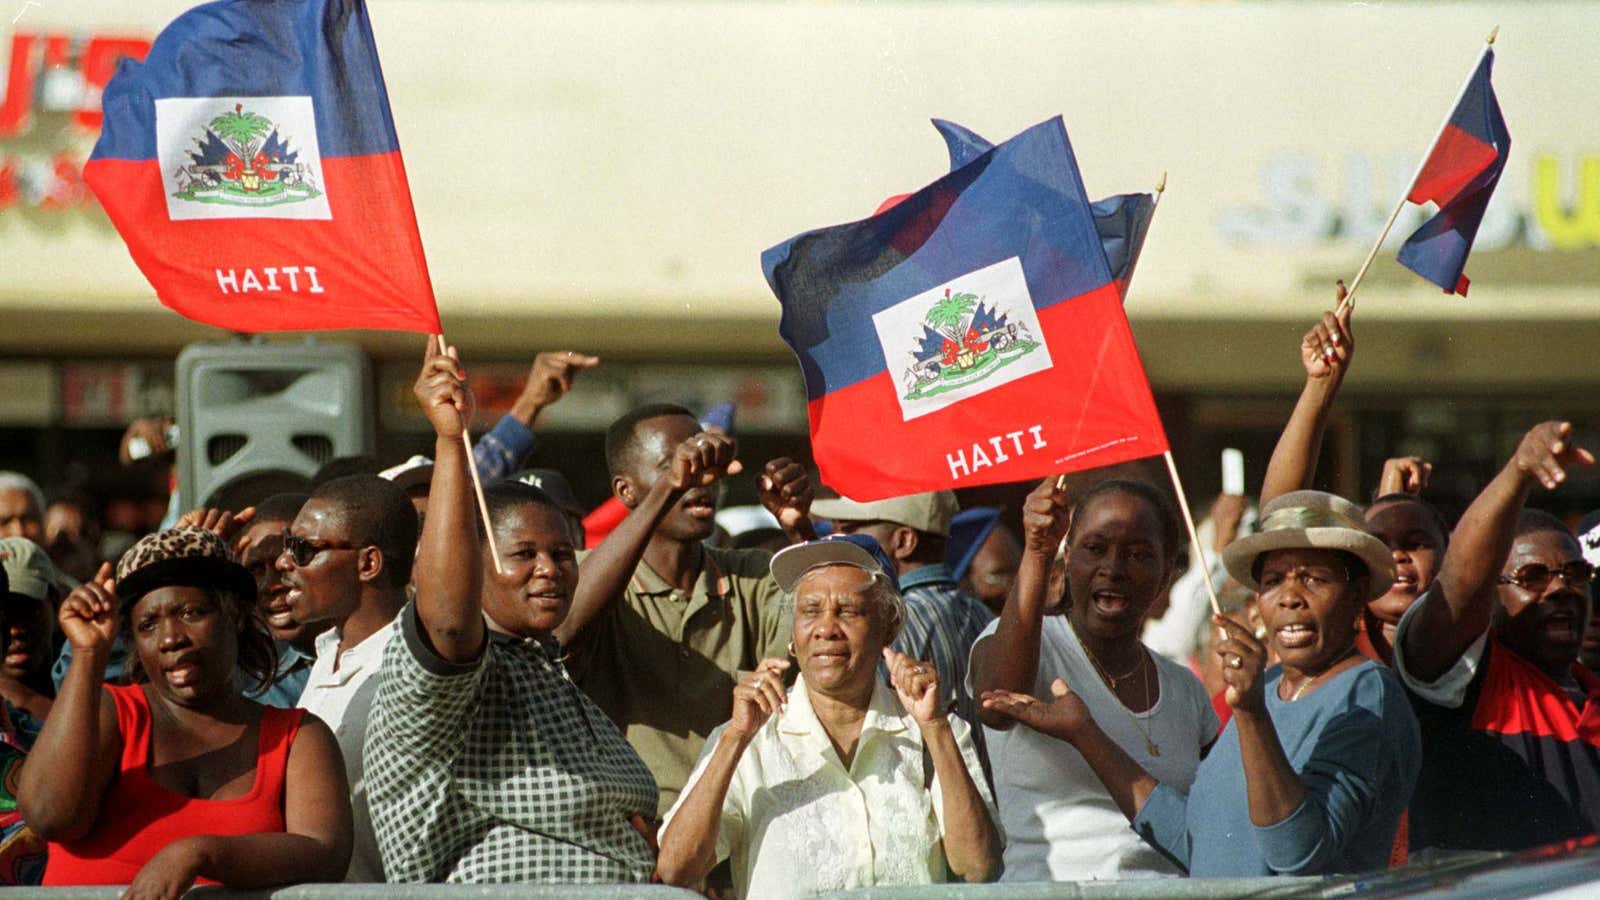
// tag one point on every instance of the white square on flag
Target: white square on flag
(240, 158)
(969, 335)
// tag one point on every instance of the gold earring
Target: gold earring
(791, 648)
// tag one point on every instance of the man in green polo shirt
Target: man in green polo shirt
(662, 624)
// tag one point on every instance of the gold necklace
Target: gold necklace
(1150, 745)
(1306, 685)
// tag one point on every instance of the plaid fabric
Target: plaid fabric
(502, 449)
(941, 626)
(499, 770)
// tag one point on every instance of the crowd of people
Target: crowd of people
(388, 679)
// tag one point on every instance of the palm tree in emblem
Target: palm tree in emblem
(242, 132)
(949, 316)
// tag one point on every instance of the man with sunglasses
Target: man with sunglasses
(346, 560)
(1510, 721)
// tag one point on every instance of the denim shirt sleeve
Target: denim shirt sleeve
(501, 452)
(1163, 822)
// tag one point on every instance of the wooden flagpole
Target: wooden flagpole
(1350, 296)
(1194, 535)
(477, 483)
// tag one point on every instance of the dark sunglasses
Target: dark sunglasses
(303, 550)
(1536, 576)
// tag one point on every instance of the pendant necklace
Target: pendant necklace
(1150, 745)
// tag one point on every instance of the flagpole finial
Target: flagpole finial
(1161, 183)
(1492, 35)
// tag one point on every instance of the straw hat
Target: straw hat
(1311, 520)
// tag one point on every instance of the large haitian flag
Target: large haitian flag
(251, 165)
(970, 334)
(1461, 173)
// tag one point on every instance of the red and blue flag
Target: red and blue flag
(1460, 175)
(251, 165)
(1121, 219)
(970, 334)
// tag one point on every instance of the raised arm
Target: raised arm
(500, 453)
(449, 566)
(1325, 352)
(1008, 660)
(689, 838)
(76, 754)
(314, 846)
(971, 841)
(1460, 604)
(604, 572)
(786, 492)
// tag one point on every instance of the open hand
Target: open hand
(1326, 349)
(757, 697)
(702, 459)
(1547, 451)
(441, 388)
(1046, 516)
(1064, 716)
(88, 617)
(917, 684)
(786, 491)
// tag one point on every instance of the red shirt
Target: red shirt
(139, 817)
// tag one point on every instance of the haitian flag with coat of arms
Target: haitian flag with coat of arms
(970, 334)
(251, 165)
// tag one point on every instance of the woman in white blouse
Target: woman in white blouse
(841, 782)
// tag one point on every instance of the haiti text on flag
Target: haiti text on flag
(971, 334)
(1122, 220)
(251, 165)
(1460, 175)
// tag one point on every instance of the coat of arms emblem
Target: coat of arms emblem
(963, 341)
(244, 160)
(964, 337)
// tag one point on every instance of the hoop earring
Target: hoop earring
(791, 648)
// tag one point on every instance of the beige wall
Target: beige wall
(578, 166)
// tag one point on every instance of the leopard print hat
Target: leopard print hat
(184, 556)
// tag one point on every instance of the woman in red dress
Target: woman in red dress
(177, 778)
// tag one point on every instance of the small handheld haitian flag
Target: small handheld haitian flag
(250, 164)
(1460, 175)
(970, 334)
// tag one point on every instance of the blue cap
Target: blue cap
(719, 417)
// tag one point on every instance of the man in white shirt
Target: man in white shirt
(346, 560)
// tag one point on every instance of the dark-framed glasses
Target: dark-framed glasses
(304, 550)
(1536, 576)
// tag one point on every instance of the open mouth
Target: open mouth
(550, 599)
(1561, 628)
(1111, 604)
(1404, 583)
(1296, 635)
(182, 674)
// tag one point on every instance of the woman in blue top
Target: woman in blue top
(1311, 775)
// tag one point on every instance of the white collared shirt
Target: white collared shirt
(796, 822)
(329, 691)
(343, 699)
